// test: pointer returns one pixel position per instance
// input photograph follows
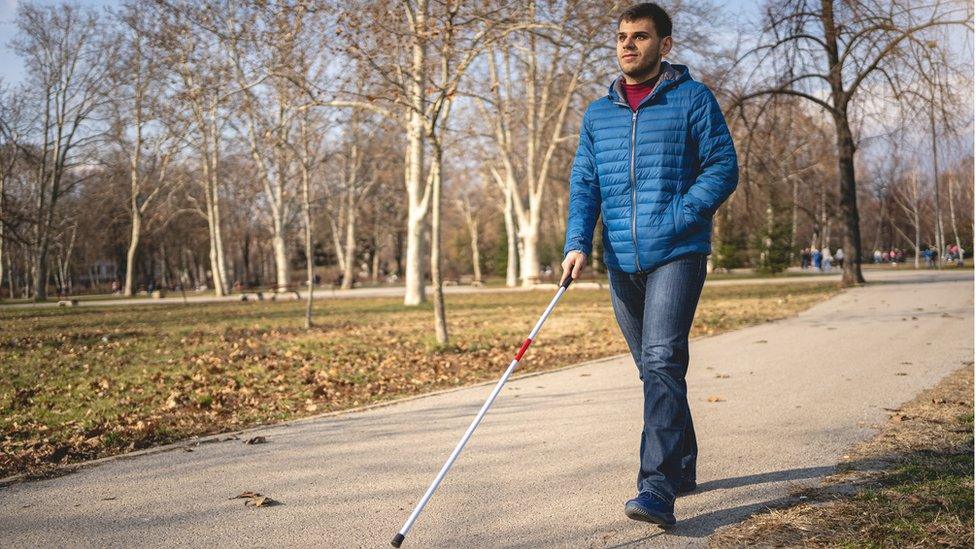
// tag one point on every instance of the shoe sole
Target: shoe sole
(636, 513)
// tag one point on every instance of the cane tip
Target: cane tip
(397, 540)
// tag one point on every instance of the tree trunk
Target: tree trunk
(374, 268)
(40, 272)
(845, 151)
(417, 191)
(472, 224)
(475, 254)
(952, 220)
(530, 256)
(848, 204)
(307, 213)
(440, 320)
(939, 231)
(130, 256)
(166, 271)
(511, 268)
(349, 271)
(915, 219)
(3, 178)
(219, 239)
(11, 284)
(216, 235)
(336, 242)
(281, 257)
(214, 263)
(794, 218)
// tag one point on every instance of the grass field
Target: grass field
(910, 486)
(82, 383)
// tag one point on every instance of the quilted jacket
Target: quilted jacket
(656, 174)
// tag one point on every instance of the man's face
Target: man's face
(639, 49)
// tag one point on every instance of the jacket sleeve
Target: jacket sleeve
(718, 173)
(584, 195)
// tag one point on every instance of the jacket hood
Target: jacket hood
(670, 75)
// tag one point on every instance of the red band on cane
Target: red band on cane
(521, 351)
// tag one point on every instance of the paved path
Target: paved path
(553, 461)
(172, 298)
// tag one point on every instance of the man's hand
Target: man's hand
(573, 264)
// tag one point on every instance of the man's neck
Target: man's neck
(645, 77)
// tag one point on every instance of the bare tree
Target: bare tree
(65, 64)
(528, 105)
(272, 42)
(848, 46)
(472, 222)
(187, 39)
(909, 200)
(11, 118)
(139, 102)
(307, 160)
(359, 168)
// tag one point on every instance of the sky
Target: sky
(12, 71)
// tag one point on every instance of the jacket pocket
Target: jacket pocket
(678, 211)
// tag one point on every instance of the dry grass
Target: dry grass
(911, 486)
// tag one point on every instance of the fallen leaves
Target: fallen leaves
(254, 499)
(716, 398)
(256, 440)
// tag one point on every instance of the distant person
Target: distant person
(960, 256)
(816, 257)
(839, 258)
(825, 259)
(953, 253)
(927, 256)
(805, 258)
(877, 256)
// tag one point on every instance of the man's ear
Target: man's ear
(666, 44)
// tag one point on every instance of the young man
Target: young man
(656, 159)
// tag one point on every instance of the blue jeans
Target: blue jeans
(654, 310)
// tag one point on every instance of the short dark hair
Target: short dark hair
(654, 12)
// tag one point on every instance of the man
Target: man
(656, 159)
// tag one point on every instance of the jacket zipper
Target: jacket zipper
(633, 175)
(633, 188)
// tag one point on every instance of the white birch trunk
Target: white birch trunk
(417, 194)
(440, 319)
(511, 266)
(349, 267)
(130, 256)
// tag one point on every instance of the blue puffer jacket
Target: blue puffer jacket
(656, 174)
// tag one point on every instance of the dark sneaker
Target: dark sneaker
(687, 486)
(649, 508)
